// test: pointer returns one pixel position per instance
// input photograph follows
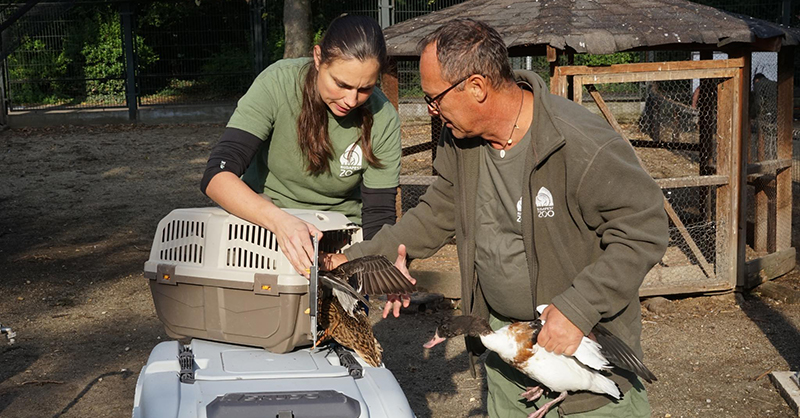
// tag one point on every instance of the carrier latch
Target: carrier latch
(346, 359)
(186, 361)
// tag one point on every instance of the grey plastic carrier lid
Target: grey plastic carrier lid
(291, 404)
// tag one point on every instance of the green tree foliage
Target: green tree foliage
(104, 58)
(31, 74)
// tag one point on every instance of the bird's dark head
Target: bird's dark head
(459, 325)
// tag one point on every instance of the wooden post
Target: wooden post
(568, 81)
(391, 88)
(742, 137)
(783, 189)
(727, 195)
(389, 84)
(577, 89)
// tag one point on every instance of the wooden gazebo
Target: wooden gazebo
(559, 29)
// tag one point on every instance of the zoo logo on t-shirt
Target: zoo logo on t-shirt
(350, 160)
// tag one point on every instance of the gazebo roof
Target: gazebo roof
(598, 26)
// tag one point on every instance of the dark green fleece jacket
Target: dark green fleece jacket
(588, 250)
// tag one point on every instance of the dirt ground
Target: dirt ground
(79, 209)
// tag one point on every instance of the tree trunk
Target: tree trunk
(297, 28)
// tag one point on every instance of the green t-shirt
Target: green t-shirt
(500, 262)
(269, 110)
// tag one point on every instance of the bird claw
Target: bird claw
(541, 412)
(323, 337)
(532, 394)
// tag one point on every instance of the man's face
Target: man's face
(453, 106)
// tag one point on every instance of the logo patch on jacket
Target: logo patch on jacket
(350, 160)
(544, 203)
(519, 209)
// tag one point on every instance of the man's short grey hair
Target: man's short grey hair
(465, 47)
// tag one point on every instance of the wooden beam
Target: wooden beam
(389, 85)
(783, 188)
(658, 286)
(727, 205)
(665, 66)
(769, 166)
(673, 216)
(417, 180)
(391, 88)
(558, 82)
(742, 138)
(639, 143)
(552, 58)
(414, 149)
(692, 181)
(577, 89)
(763, 269)
(603, 78)
(767, 45)
(552, 54)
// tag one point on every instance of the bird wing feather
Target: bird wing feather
(335, 282)
(374, 275)
(619, 354)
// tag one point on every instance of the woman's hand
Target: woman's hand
(294, 238)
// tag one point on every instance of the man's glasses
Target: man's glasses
(433, 102)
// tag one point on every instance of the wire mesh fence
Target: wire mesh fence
(194, 53)
(672, 125)
(55, 64)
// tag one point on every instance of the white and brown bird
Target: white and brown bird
(516, 345)
(342, 317)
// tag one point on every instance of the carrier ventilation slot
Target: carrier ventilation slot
(255, 235)
(185, 252)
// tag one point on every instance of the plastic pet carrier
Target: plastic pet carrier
(218, 277)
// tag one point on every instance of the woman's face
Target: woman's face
(345, 84)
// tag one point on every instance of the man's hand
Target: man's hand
(329, 261)
(395, 301)
(558, 335)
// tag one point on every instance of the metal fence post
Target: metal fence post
(126, 12)
(386, 14)
(257, 26)
(3, 95)
(786, 13)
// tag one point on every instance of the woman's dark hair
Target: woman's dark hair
(348, 37)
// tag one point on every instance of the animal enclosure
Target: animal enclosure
(687, 131)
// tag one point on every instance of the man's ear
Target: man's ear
(477, 86)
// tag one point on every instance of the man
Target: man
(548, 206)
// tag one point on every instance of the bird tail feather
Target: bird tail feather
(606, 385)
(588, 353)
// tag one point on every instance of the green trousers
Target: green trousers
(506, 383)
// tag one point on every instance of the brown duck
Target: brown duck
(342, 317)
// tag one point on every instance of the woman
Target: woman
(313, 134)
